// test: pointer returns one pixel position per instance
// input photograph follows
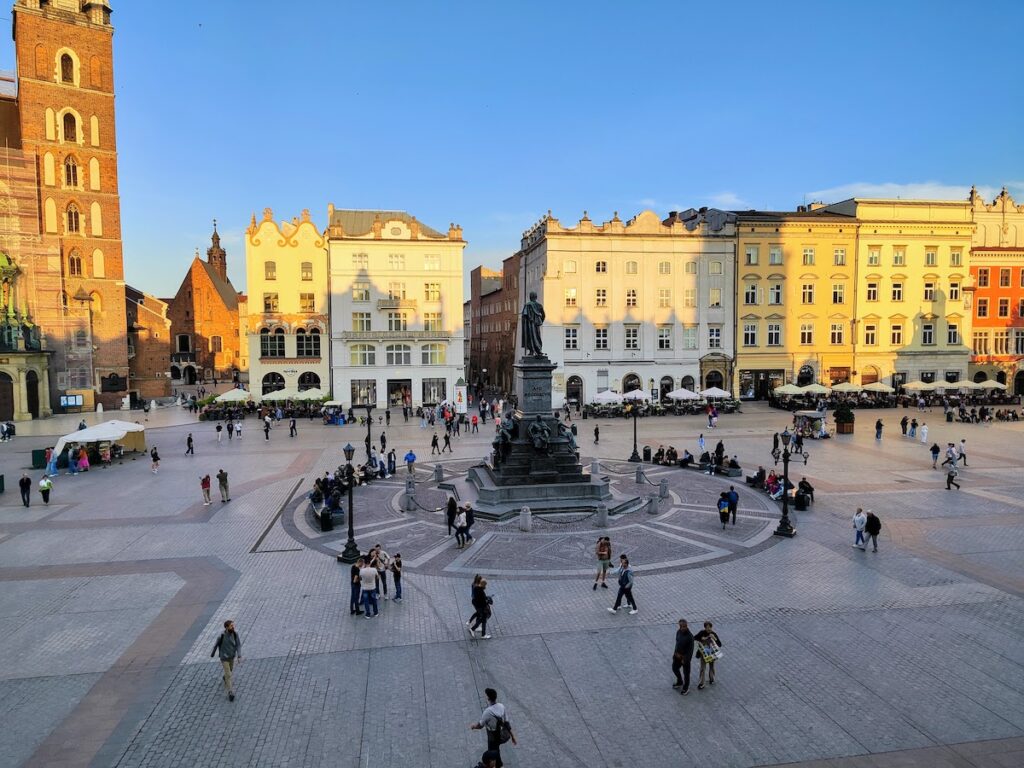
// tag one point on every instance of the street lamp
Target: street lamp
(351, 553)
(785, 526)
(633, 409)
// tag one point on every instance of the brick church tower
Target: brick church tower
(65, 73)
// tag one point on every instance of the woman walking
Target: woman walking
(476, 582)
(460, 530)
(604, 561)
(482, 603)
(156, 459)
(723, 509)
(708, 643)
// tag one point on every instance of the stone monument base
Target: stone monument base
(501, 502)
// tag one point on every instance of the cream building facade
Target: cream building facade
(913, 312)
(397, 320)
(639, 304)
(288, 290)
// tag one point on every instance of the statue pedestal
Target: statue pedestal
(533, 385)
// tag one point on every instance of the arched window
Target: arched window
(307, 344)
(216, 344)
(74, 263)
(363, 354)
(74, 223)
(70, 127)
(308, 380)
(67, 68)
(714, 379)
(81, 339)
(631, 267)
(271, 344)
(433, 354)
(570, 267)
(269, 270)
(96, 304)
(630, 382)
(272, 382)
(70, 172)
(307, 270)
(399, 354)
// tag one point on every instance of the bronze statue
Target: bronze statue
(540, 434)
(533, 319)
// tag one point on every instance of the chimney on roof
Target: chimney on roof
(801, 209)
(815, 205)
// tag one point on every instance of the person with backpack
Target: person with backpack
(951, 475)
(229, 645)
(494, 721)
(625, 576)
(872, 528)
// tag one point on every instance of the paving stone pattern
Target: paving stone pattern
(114, 595)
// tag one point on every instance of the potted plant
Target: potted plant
(844, 419)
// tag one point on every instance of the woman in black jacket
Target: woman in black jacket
(482, 604)
(706, 637)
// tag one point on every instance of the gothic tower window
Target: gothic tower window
(67, 69)
(74, 226)
(70, 127)
(74, 263)
(70, 173)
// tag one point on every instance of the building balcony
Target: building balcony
(183, 357)
(395, 336)
(396, 303)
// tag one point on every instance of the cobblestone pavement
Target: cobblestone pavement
(113, 596)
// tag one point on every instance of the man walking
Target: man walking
(204, 485)
(872, 528)
(951, 475)
(222, 481)
(859, 521)
(383, 443)
(25, 485)
(494, 722)
(229, 645)
(292, 430)
(682, 657)
(189, 448)
(433, 445)
(625, 574)
(597, 435)
(410, 461)
(963, 450)
(878, 430)
(447, 443)
(734, 501)
(266, 427)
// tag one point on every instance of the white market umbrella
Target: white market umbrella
(715, 392)
(991, 384)
(682, 394)
(788, 389)
(313, 393)
(607, 397)
(816, 389)
(333, 403)
(233, 396)
(282, 394)
(920, 386)
(846, 386)
(636, 396)
(966, 385)
(877, 386)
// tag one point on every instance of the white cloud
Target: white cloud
(926, 190)
(728, 201)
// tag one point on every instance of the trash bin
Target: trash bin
(326, 520)
(801, 501)
(949, 417)
(647, 453)
(38, 458)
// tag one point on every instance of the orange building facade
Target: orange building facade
(997, 272)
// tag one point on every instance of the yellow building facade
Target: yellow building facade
(795, 299)
(912, 309)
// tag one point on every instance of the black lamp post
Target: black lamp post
(633, 410)
(351, 553)
(785, 526)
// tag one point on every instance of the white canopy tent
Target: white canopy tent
(846, 386)
(816, 389)
(313, 393)
(991, 384)
(788, 389)
(608, 397)
(282, 394)
(920, 386)
(132, 436)
(682, 394)
(877, 386)
(233, 396)
(715, 392)
(636, 396)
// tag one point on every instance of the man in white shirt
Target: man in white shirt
(491, 719)
(859, 521)
(368, 586)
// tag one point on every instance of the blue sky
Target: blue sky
(489, 114)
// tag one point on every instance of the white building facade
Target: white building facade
(642, 304)
(396, 309)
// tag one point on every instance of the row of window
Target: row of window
(397, 354)
(999, 342)
(752, 256)
(396, 261)
(1002, 307)
(632, 297)
(271, 303)
(396, 291)
(631, 338)
(306, 344)
(397, 321)
(270, 270)
(569, 267)
(73, 219)
(837, 334)
(1005, 277)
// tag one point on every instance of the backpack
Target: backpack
(504, 730)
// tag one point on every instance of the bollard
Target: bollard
(639, 476)
(652, 505)
(602, 515)
(410, 495)
(525, 519)
(595, 467)
(438, 472)
(663, 489)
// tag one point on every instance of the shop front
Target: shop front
(758, 384)
(434, 391)
(399, 392)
